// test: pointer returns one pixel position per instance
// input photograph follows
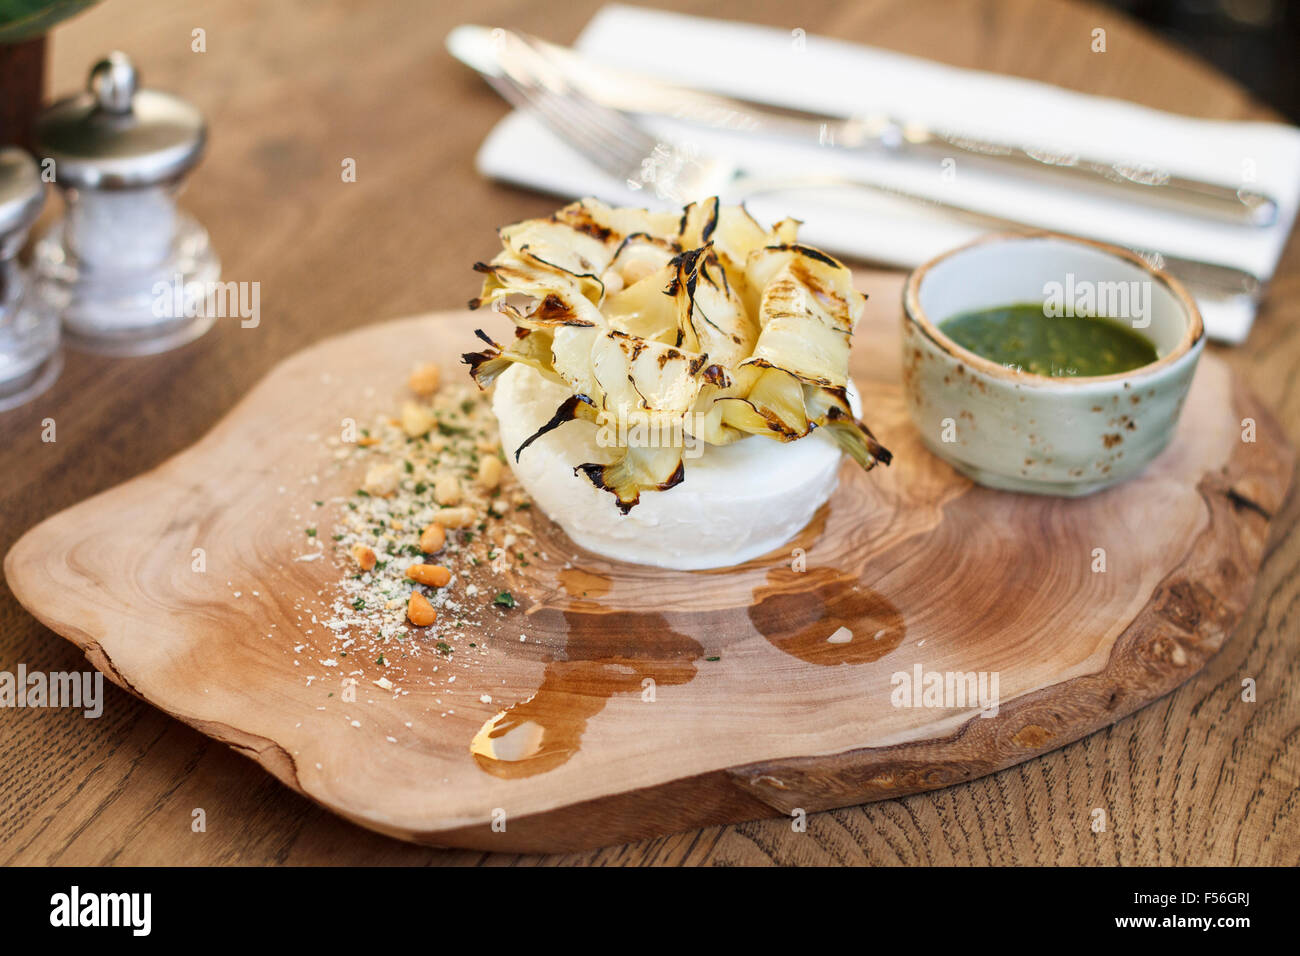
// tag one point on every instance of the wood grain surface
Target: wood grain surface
(293, 89)
(756, 711)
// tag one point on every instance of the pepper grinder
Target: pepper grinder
(138, 274)
(29, 323)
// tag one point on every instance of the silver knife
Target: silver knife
(631, 92)
(529, 79)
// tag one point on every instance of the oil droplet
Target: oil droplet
(823, 618)
(581, 583)
(604, 654)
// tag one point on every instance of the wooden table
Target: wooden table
(292, 89)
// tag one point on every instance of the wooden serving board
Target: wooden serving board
(755, 712)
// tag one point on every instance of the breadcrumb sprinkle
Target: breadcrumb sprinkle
(424, 544)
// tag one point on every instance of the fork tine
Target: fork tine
(578, 136)
(610, 132)
(611, 120)
(629, 151)
(540, 71)
(530, 100)
(609, 136)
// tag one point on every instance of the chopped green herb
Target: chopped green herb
(504, 599)
(311, 532)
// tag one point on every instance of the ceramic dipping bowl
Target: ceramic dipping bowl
(1011, 429)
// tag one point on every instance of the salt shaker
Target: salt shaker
(29, 323)
(138, 273)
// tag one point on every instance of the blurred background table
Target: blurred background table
(292, 89)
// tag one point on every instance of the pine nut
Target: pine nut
(416, 420)
(433, 538)
(489, 472)
(381, 480)
(419, 611)
(461, 517)
(434, 575)
(446, 489)
(424, 380)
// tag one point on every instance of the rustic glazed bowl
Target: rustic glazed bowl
(1014, 430)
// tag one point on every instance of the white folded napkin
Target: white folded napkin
(785, 68)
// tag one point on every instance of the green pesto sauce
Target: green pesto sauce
(1022, 337)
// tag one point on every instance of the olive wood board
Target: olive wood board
(754, 712)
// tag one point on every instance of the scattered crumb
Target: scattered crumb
(433, 459)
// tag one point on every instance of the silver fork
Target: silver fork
(613, 143)
(676, 173)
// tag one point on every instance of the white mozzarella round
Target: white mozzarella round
(736, 501)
